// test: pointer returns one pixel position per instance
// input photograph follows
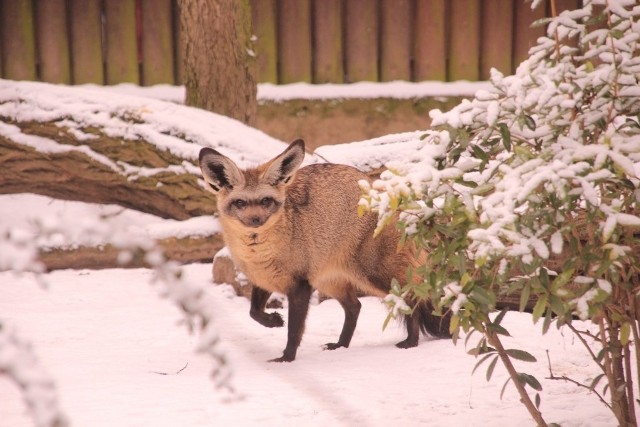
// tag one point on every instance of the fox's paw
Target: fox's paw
(408, 343)
(270, 320)
(332, 346)
(273, 320)
(282, 359)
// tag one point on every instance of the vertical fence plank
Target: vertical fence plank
(53, 41)
(178, 66)
(464, 36)
(496, 40)
(430, 41)
(121, 43)
(565, 5)
(294, 37)
(157, 42)
(524, 37)
(395, 40)
(263, 16)
(327, 42)
(86, 41)
(361, 28)
(18, 40)
(562, 5)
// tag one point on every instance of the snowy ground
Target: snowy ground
(268, 92)
(108, 340)
(106, 337)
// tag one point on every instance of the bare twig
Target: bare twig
(634, 328)
(506, 361)
(572, 381)
(629, 383)
(586, 344)
(169, 373)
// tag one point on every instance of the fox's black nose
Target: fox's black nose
(255, 221)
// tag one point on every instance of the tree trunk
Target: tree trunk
(219, 68)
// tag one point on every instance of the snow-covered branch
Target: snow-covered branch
(19, 363)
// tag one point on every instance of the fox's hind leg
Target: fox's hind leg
(351, 305)
(423, 319)
(259, 298)
(413, 331)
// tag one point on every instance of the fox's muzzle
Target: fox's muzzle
(254, 221)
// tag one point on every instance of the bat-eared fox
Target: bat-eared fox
(291, 230)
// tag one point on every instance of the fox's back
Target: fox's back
(322, 208)
(331, 242)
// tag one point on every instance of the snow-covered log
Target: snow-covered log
(89, 145)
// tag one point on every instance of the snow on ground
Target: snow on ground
(114, 349)
(108, 340)
(361, 90)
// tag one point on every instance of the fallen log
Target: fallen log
(101, 169)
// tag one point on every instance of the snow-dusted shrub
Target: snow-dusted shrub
(533, 188)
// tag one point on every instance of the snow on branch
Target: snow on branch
(19, 363)
(551, 148)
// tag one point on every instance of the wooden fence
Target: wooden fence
(319, 41)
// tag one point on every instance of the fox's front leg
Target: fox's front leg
(298, 298)
(259, 298)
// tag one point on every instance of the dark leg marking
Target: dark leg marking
(298, 297)
(351, 306)
(413, 331)
(259, 298)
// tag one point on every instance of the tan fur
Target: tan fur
(316, 235)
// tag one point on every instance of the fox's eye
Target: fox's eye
(266, 201)
(240, 204)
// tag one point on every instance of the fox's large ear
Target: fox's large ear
(282, 168)
(219, 171)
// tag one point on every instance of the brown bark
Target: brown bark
(74, 175)
(219, 67)
(185, 250)
(614, 370)
(494, 340)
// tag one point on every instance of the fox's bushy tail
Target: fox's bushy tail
(431, 323)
